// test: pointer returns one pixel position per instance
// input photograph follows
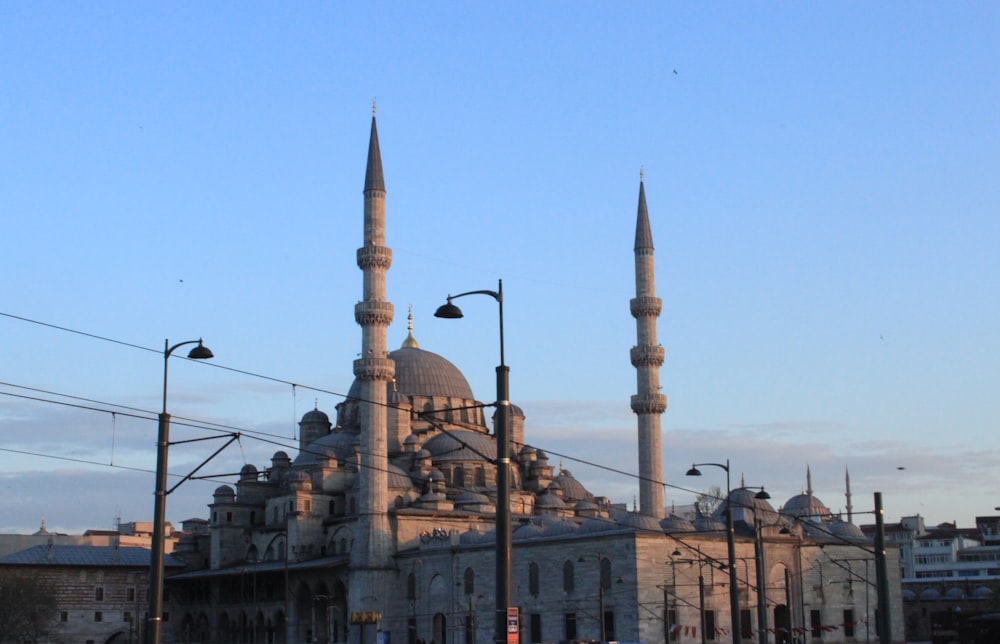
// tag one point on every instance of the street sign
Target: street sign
(513, 626)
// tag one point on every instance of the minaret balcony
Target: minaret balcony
(649, 403)
(373, 313)
(646, 306)
(374, 257)
(374, 369)
(647, 356)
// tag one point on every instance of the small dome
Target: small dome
(954, 593)
(528, 531)
(549, 502)
(640, 522)
(674, 523)
(806, 506)
(471, 537)
(909, 595)
(560, 528)
(845, 530)
(224, 492)
(705, 523)
(469, 497)
(929, 594)
(981, 592)
(248, 472)
(341, 443)
(596, 524)
(572, 490)
(746, 508)
(315, 416)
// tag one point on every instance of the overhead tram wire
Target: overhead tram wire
(220, 427)
(269, 438)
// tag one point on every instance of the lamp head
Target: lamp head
(448, 311)
(200, 352)
(694, 471)
(762, 495)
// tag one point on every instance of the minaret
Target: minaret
(847, 493)
(809, 481)
(647, 358)
(372, 549)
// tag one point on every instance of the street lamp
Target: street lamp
(502, 428)
(734, 593)
(153, 620)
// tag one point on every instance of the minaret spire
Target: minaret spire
(809, 481)
(647, 358)
(371, 552)
(847, 493)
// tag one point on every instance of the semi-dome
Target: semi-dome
(423, 373)
(461, 445)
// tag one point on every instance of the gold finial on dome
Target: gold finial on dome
(373, 107)
(410, 342)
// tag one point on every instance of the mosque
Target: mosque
(381, 529)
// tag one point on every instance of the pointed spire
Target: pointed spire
(373, 173)
(410, 342)
(643, 233)
(809, 481)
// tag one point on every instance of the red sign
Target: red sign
(513, 626)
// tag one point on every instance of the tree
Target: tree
(709, 500)
(27, 606)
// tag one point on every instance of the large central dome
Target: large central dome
(424, 373)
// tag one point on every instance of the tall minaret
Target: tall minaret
(647, 358)
(847, 493)
(372, 549)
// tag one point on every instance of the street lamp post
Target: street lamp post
(734, 593)
(503, 436)
(155, 616)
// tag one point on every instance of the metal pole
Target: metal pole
(600, 564)
(155, 615)
(884, 623)
(504, 597)
(761, 581)
(701, 598)
(734, 591)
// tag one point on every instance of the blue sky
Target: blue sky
(821, 180)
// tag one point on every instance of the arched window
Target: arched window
(568, 580)
(470, 581)
(605, 573)
(458, 477)
(533, 582)
(480, 476)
